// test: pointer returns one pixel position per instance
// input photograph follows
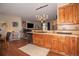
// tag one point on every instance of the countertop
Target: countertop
(52, 33)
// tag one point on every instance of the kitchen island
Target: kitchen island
(65, 44)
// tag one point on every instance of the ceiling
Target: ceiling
(28, 10)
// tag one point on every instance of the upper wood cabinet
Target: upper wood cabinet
(69, 14)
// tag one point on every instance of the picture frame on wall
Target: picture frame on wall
(15, 24)
(23, 23)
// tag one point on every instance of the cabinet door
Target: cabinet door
(74, 14)
(69, 14)
(61, 43)
(47, 41)
(77, 49)
(70, 46)
(41, 40)
(73, 46)
(77, 13)
(61, 15)
(66, 15)
(55, 43)
(45, 37)
(67, 47)
(36, 39)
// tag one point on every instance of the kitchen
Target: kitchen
(60, 35)
(64, 40)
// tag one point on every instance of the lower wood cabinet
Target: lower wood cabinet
(65, 45)
(38, 39)
(55, 44)
(60, 43)
(47, 41)
(73, 46)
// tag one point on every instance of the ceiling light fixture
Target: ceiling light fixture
(41, 7)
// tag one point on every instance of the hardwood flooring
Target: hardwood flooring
(13, 50)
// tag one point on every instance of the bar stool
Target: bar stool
(7, 39)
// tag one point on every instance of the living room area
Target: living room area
(17, 26)
(16, 33)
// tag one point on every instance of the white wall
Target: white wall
(68, 27)
(8, 20)
(61, 4)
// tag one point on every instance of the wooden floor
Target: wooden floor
(13, 50)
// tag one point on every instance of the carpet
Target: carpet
(34, 50)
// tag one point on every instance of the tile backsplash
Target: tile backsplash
(68, 27)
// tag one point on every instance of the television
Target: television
(30, 25)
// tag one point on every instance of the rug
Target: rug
(34, 50)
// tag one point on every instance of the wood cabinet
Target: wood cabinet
(61, 15)
(61, 43)
(47, 41)
(42, 40)
(69, 14)
(65, 45)
(77, 8)
(55, 43)
(38, 39)
(34, 39)
(70, 46)
(77, 41)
